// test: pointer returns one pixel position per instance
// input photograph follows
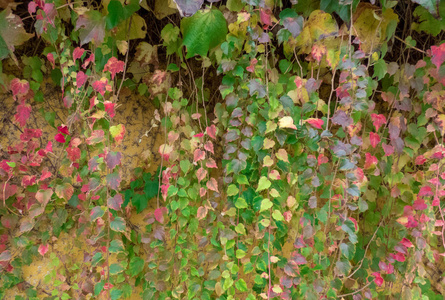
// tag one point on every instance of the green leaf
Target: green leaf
(115, 294)
(348, 250)
(91, 26)
(240, 203)
(265, 205)
(232, 190)
(277, 215)
(263, 184)
(115, 269)
(241, 285)
(203, 31)
(431, 5)
(96, 212)
(380, 69)
(136, 266)
(240, 228)
(116, 246)
(118, 224)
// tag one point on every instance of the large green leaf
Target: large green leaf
(91, 26)
(203, 31)
(431, 5)
(12, 33)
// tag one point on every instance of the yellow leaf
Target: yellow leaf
(370, 25)
(320, 25)
(286, 122)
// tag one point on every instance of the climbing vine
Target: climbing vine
(301, 151)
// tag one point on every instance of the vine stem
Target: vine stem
(357, 291)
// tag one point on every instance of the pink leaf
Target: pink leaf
(265, 16)
(407, 243)
(77, 53)
(101, 86)
(388, 149)
(97, 136)
(211, 131)
(159, 214)
(88, 61)
(43, 249)
(370, 160)
(43, 196)
(212, 184)
(202, 212)
(378, 278)
(420, 205)
(425, 191)
(211, 164)
(374, 138)
(113, 159)
(201, 174)
(45, 174)
(81, 78)
(50, 58)
(209, 147)
(19, 87)
(9, 190)
(114, 66)
(378, 120)
(316, 123)
(420, 160)
(115, 202)
(438, 55)
(109, 108)
(198, 155)
(23, 113)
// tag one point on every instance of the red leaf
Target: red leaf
(438, 55)
(63, 129)
(29, 134)
(109, 108)
(378, 120)
(73, 153)
(23, 113)
(265, 16)
(28, 180)
(60, 138)
(211, 131)
(7, 190)
(50, 58)
(202, 212)
(407, 243)
(201, 174)
(101, 86)
(43, 249)
(81, 78)
(374, 138)
(115, 202)
(316, 123)
(420, 205)
(420, 160)
(212, 184)
(88, 61)
(159, 214)
(370, 160)
(198, 155)
(77, 53)
(114, 66)
(45, 174)
(19, 87)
